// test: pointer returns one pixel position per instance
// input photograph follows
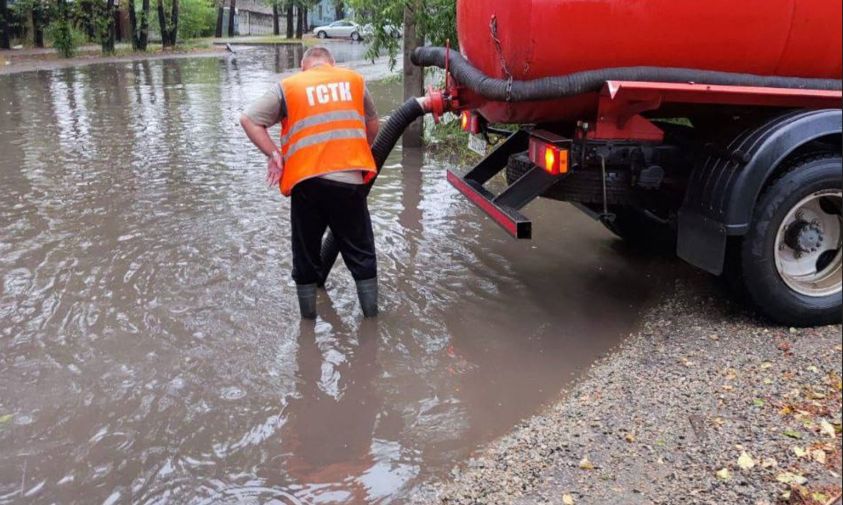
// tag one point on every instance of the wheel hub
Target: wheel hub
(809, 245)
(804, 237)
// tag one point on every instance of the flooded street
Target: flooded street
(150, 344)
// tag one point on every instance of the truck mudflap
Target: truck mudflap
(505, 208)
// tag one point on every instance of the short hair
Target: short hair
(318, 53)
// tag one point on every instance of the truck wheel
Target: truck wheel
(790, 260)
(641, 230)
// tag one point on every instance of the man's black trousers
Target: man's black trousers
(318, 204)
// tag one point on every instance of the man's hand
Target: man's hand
(274, 169)
(260, 137)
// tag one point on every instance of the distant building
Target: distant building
(252, 17)
(325, 12)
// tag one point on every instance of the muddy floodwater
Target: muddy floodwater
(150, 346)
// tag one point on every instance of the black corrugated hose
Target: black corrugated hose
(383, 145)
(548, 88)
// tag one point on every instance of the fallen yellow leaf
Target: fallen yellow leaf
(800, 452)
(819, 456)
(745, 461)
(819, 497)
(826, 428)
(791, 478)
(724, 474)
(769, 463)
(567, 499)
(585, 464)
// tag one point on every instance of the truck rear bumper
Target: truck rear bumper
(515, 223)
(505, 208)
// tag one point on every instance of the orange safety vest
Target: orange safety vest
(325, 127)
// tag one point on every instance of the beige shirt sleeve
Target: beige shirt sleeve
(369, 106)
(269, 109)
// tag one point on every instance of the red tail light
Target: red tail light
(553, 159)
(470, 122)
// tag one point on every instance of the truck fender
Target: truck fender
(723, 189)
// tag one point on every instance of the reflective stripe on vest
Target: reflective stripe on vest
(350, 133)
(325, 117)
(325, 127)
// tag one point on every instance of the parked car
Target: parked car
(395, 31)
(342, 29)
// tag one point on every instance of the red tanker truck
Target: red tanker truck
(713, 128)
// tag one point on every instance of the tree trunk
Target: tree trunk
(133, 26)
(289, 20)
(276, 30)
(339, 9)
(174, 23)
(305, 24)
(162, 23)
(5, 42)
(118, 26)
(413, 75)
(38, 24)
(220, 14)
(88, 21)
(232, 6)
(299, 22)
(143, 38)
(107, 40)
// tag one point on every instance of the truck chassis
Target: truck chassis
(716, 188)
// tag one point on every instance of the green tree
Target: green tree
(197, 18)
(38, 12)
(276, 30)
(105, 25)
(5, 37)
(169, 22)
(431, 20)
(232, 7)
(61, 31)
(220, 17)
(139, 24)
(289, 7)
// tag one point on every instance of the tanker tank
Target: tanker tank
(524, 40)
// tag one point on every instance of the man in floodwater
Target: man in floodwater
(328, 123)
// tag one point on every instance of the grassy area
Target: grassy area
(447, 141)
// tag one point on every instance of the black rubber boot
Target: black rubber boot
(367, 292)
(307, 300)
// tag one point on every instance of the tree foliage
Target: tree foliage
(61, 30)
(435, 22)
(196, 18)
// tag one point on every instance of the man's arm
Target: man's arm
(264, 113)
(259, 135)
(373, 124)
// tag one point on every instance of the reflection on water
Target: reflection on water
(150, 348)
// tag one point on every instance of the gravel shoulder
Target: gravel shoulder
(703, 405)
